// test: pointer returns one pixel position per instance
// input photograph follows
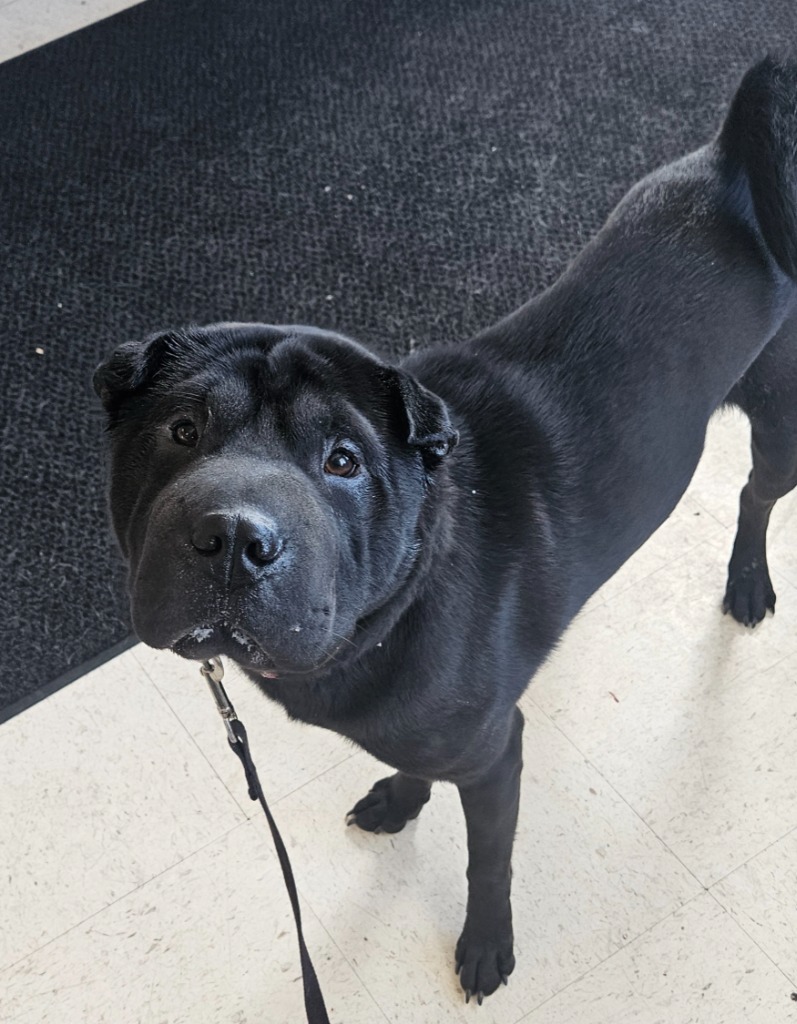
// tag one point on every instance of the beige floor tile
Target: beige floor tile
(211, 941)
(762, 897)
(287, 754)
(102, 789)
(695, 968)
(782, 538)
(686, 713)
(25, 24)
(588, 877)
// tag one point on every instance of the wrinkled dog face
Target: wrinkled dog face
(267, 486)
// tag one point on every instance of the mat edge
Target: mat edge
(42, 692)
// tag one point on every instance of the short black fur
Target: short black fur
(496, 484)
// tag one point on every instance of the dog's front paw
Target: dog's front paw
(484, 959)
(388, 806)
(749, 594)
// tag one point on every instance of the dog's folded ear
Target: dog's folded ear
(131, 367)
(427, 421)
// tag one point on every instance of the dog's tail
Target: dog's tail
(759, 138)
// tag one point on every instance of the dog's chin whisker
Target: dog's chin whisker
(345, 639)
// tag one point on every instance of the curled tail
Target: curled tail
(759, 137)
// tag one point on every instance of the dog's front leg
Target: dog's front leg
(484, 956)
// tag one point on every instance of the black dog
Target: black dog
(391, 552)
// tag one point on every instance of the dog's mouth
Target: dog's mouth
(224, 639)
(221, 638)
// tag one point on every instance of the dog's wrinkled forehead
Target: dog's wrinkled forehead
(294, 408)
(240, 369)
(277, 362)
(298, 385)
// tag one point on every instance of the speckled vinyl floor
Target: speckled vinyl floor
(656, 858)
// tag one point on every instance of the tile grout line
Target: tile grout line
(611, 956)
(707, 512)
(321, 774)
(171, 867)
(706, 889)
(768, 668)
(143, 669)
(744, 931)
(781, 576)
(249, 820)
(123, 896)
(647, 827)
(309, 902)
(243, 807)
(706, 892)
(343, 957)
(620, 796)
(752, 857)
(738, 923)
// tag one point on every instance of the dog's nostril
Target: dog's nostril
(264, 550)
(208, 545)
(209, 535)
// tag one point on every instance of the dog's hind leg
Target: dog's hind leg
(390, 804)
(768, 394)
(757, 146)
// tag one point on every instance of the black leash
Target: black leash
(213, 672)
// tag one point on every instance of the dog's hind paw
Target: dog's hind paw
(749, 594)
(390, 804)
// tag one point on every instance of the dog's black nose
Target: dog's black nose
(250, 541)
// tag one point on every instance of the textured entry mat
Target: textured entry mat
(405, 170)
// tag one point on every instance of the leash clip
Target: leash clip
(213, 671)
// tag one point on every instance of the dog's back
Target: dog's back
(653, 326)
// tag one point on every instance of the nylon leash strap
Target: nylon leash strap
(213, 671)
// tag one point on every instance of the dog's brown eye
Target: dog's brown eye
(341, 463)
(185, 433)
